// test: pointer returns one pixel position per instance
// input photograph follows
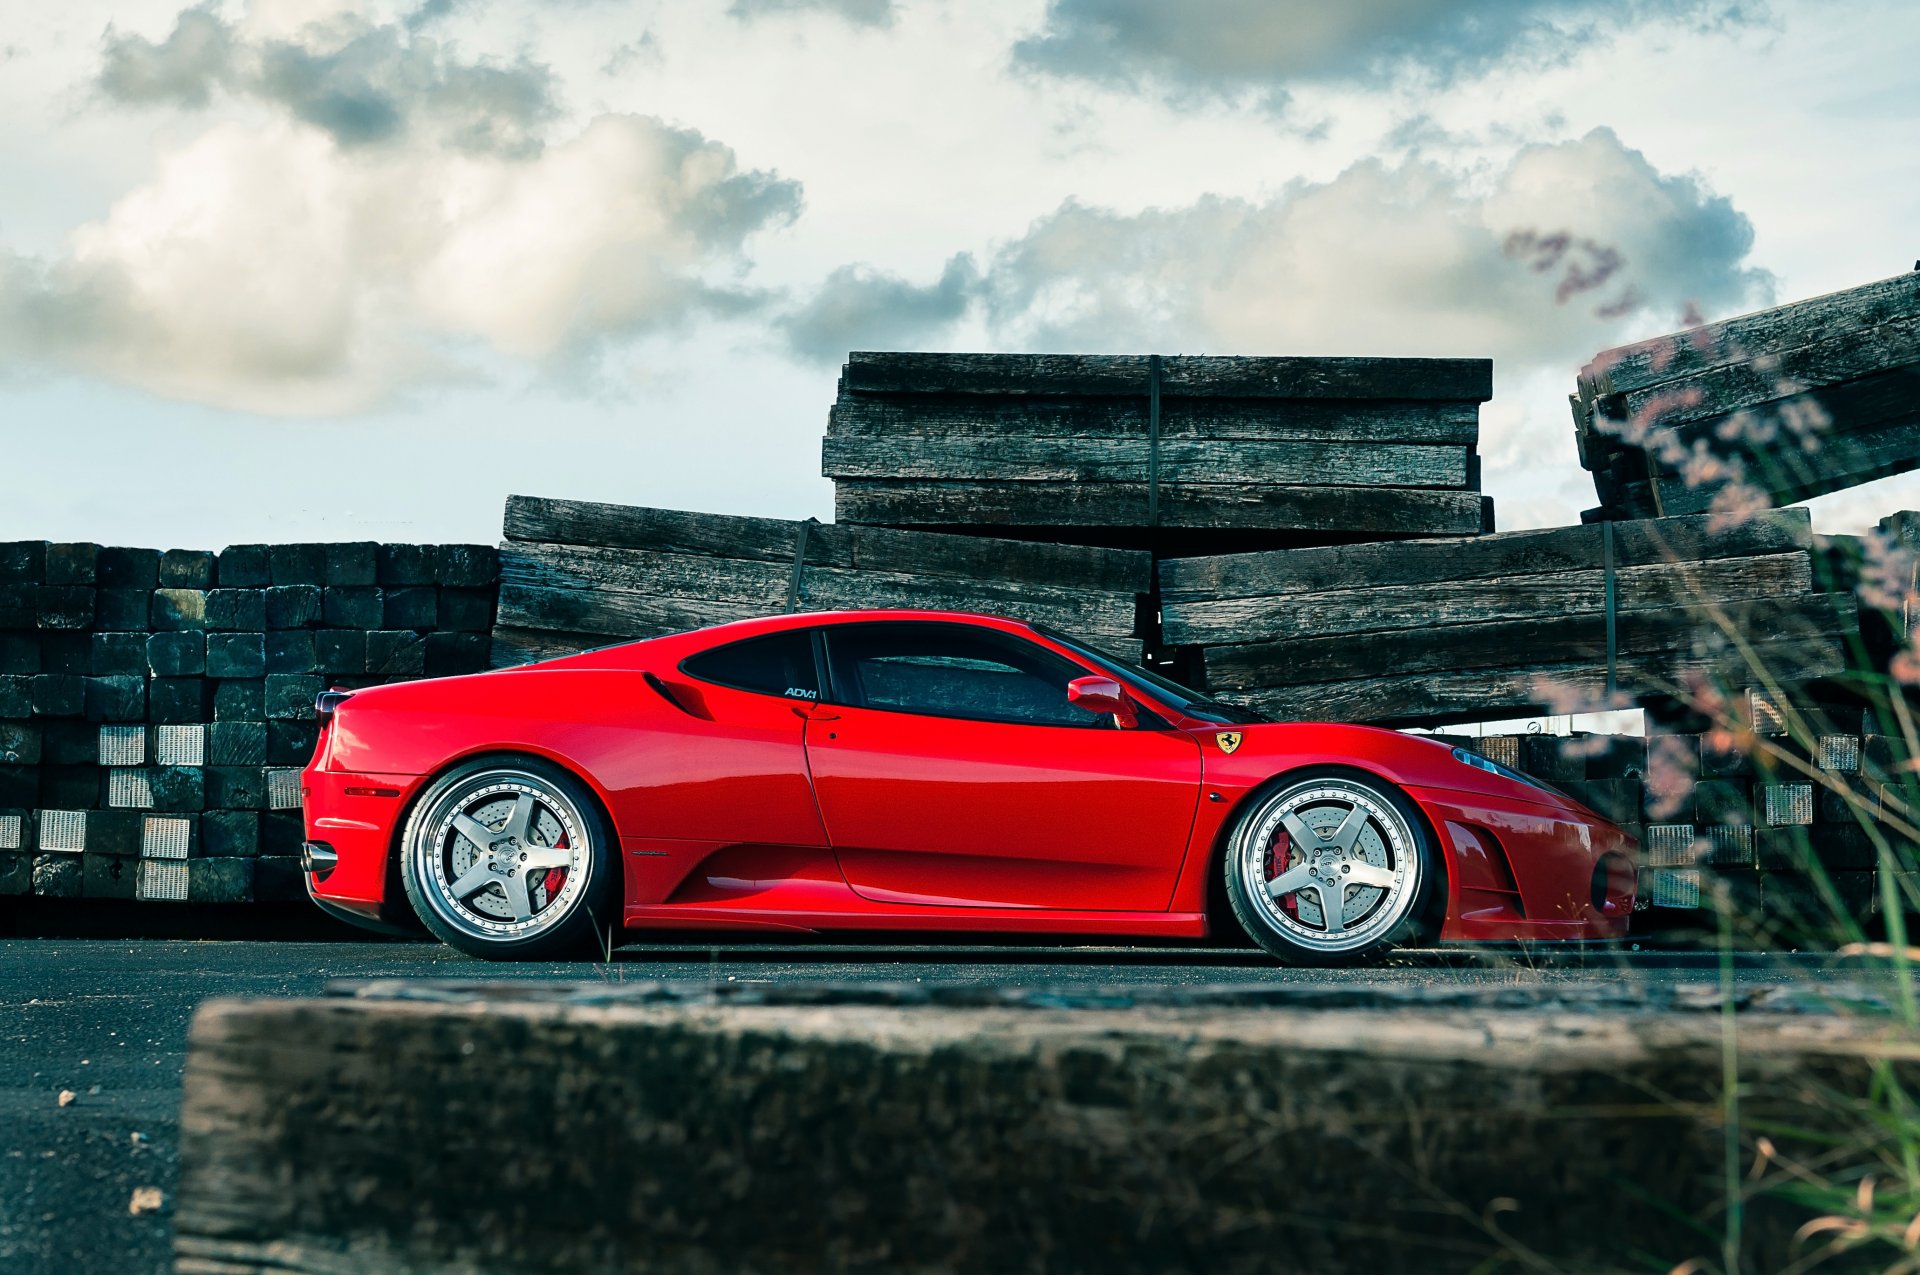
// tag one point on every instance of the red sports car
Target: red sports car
(921, 771)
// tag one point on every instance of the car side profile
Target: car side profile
(921, 771)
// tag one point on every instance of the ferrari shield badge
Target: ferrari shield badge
(1228, 740)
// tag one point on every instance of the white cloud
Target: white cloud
(1409, 260)
(269, 269)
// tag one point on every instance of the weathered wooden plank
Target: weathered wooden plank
(673, 531)
(1067, 1132)
(1025, 458)
(1438, 698)
(1378, 511)
(1507, 553)
(625, 613)
(999, 416)
(616, 613)
(1561, 639)
(1876, 435)
(1758, 382)
(763, 586)
(1712, 345)
(513, 646)
(1181, 375)
(665, 575)
(1365, 610)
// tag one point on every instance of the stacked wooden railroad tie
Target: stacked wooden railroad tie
(577, 575)
(1501, 625)
(1803, 399)
(156, 708)
(1795, 851)
(1160, 452)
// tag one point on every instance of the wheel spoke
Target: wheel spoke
(1297, 828)
(475, 831)
(518, 899)
(1370, 874)
(1350, 829)
(1333, 906)
(1289, 881)
(546, 857)
(521, 819)
(472, 880)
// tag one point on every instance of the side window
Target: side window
(953, 670)
(778, 664)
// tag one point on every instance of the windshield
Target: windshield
(1184, 698)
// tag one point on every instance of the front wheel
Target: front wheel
(1329, 869)
(510, 859)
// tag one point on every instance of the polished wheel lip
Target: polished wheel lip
(435, 832)
(1395, 837)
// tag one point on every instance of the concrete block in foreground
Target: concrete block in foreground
(479, 1127)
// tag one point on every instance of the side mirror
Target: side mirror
(1103, 695)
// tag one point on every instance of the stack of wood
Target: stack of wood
(1169, 453)
(1771, 407)
(577, 575)
(1502, 625)
(156, 708)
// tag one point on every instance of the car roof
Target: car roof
(673, 647)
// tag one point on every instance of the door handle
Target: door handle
(815, 713)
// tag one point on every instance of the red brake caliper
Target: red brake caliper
(556, 875)
(1278, 853)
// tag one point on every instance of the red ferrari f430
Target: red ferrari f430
(917, 771)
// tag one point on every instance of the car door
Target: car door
(951, 770)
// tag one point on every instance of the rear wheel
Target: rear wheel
(511, 859)
(1329, 869)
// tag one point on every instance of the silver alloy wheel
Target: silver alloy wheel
(1331, 864)
(502, 855)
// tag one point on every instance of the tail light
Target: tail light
(326, 701)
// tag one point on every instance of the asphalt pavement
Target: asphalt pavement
(105, 1021)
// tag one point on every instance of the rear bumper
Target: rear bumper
(354, 818)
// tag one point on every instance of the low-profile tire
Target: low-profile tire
(510, 858)
(1317, 837)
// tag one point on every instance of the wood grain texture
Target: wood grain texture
(1477, 694)
(316, 1135)
(998, 416)
(673, 531)
(1713, 345)
(1876, 434)
(1382, 512)
(1774, 376)
(513, 646)
(1365, 610)
(1514, 644)
(1482, 557)
(1181, 376)
(1025, 458)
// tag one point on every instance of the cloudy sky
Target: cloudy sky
(291, 269)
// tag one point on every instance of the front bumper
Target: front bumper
(1524, 871)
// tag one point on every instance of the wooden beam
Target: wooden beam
(998, 416)
(1370, 610)
(1382, 512)
(1715, 345)
(1571, 638)
(1181, 376)
(1641, 543)
(1477, 694)
(1024, 458)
